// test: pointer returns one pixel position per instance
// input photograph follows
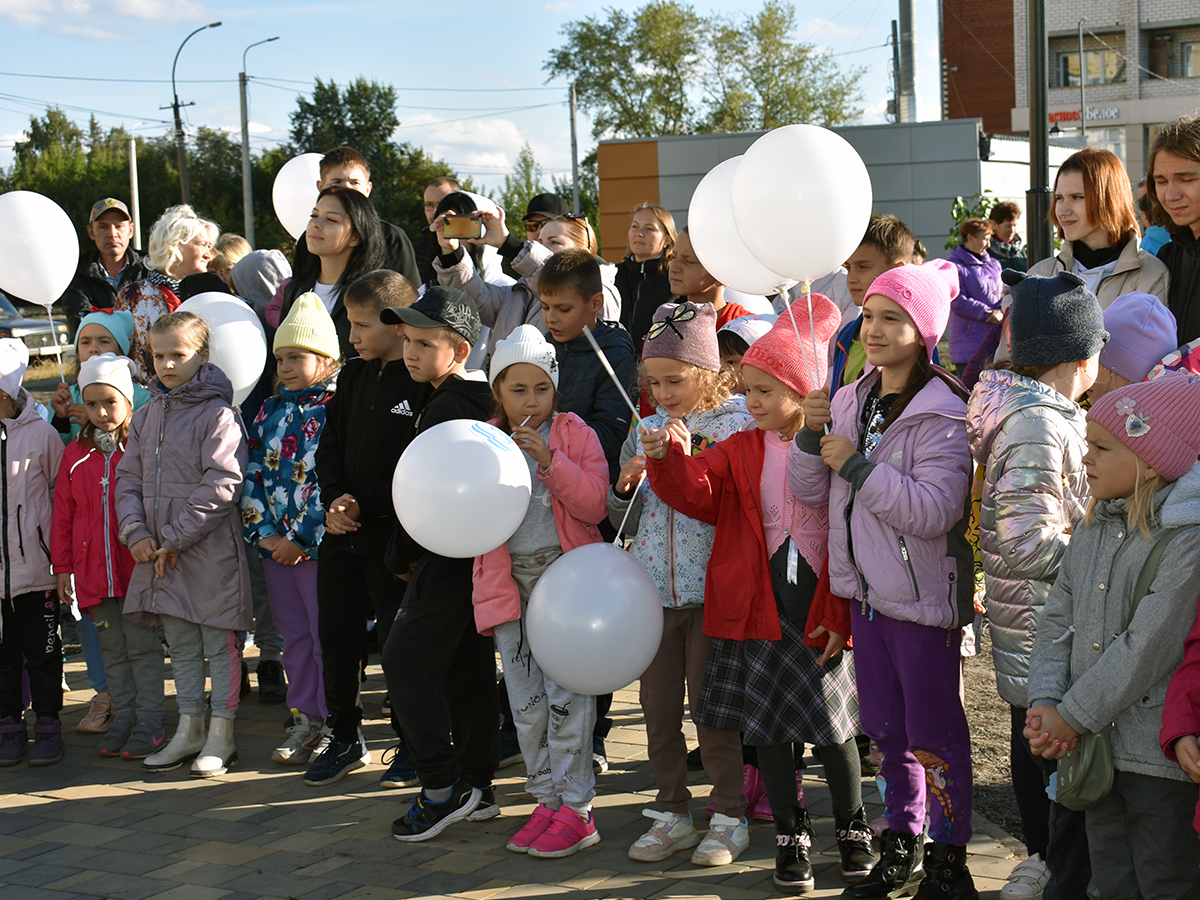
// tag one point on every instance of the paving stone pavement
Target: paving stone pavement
(102, 828)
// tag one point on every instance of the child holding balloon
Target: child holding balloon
(570, 485)
(282, 515)
(178, 486)
(898, 512)
(682, 367)
(776, 672)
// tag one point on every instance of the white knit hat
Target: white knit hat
(525, 345)
(106, 368)
(14, 358)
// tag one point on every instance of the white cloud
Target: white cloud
(109, 20)
(557, 6)
(875, 113)
(828, 30)
(161, 10)
(258, 128)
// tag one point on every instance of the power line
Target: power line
(482, 115)
(121, 80)
(64, 106)
(1128, 61)
(406, 88)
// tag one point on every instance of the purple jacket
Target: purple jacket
(910, 560)
(979, 292)
(187, 500)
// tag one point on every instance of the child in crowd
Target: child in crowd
(31, 452)
(368, 423)
(690, 280)
(228, 251)
(1103, 660)
(1141, 334)
(570, 486)
(1180, 735)
(895, 470)
(85, 544)
(887, 244)
(441, 672)
(682, 368)
(281, 509)
(1027, 431)
(775, 672)
(178, 486)
(735, 338)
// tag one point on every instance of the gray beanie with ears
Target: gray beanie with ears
(1054, 319)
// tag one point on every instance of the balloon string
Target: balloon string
(809, 365)
(611, 374)
(54, 337)
(625, 518)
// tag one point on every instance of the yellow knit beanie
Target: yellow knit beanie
(308, 326)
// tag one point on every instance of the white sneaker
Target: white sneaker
(671, 833)
(726, 839)
(302, 736)
(1027, 881)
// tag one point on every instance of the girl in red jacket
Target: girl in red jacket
(1180, 736)
(84, 542)
(570, 487)
(765, 592)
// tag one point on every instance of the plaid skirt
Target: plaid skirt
(773, 691)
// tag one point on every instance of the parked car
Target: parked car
(38, 334)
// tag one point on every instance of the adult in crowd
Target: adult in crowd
(975, 313)
(181, 244)
(427, 246)
(642, 276)
(343, 241)
(1173, 179)
(346, 167)
(1005, 245)
(107, 267)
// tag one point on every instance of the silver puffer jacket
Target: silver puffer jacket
(1030, 440)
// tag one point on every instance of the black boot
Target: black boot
(854, 844)
(793, 837)
(946, 874)
(898, 872)
(272, 685)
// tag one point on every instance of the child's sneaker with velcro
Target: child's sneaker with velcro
(726, 839)
(339, 760)
(669, 834)
(115, 738)
(568, 833)
(303, 735)
(531, 830)
(426, 819)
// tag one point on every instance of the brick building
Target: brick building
(980, 72)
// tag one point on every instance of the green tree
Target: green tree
(522, 185)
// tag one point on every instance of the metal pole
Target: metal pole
(135, 208)
(574, 158)
(896, 71)
(908, 60)
(247, 187)
(943, 114)
(1037, 198)
(179, 141)
(1082, 80)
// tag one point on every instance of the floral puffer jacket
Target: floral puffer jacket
(280, 494)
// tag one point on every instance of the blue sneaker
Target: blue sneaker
(400, 772)
(426, 819)
(338, 760)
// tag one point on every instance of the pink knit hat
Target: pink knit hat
(1158, 420)
(684, 331)
(777, 353)
(924, 292)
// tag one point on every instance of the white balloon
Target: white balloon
(715, 237)
(755, 304)
(594, 619)
(39, 249)
(801, 200)
(295, 192)
(461, 488)
(237, 342)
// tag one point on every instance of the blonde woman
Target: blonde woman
(642, 275)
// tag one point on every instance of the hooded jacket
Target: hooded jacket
(906, 509)
(1093, 665)
(85, 539)
(30, 454)
(91, 288)
(1182, 259)
(979, 292)
(369, 422)
(673, 547)
(1030, 440)
(179, 483)
(644, 287)
(578, 483)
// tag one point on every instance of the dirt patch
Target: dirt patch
(990, 722)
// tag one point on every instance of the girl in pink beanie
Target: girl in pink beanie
(1096, 665)
(895, 471)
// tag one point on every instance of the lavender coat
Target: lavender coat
(179, 482)
(979, 292)
(910, 559)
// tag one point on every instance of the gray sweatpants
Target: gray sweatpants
(190, 645)
(133, 665)
(1141, 841)
(554, 725)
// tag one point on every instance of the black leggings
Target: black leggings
(31, 635)
(777, 763)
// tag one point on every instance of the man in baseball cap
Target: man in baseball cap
(107, 267)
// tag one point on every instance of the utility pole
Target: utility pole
(1037, 198)
(247, 188)
(574, 157)
(1082, 79)
(908, 62)
(180, 146)
(134, 202)
(896, 71)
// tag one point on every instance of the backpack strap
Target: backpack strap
(1150, 569)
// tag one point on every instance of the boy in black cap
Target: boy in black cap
(441, 672)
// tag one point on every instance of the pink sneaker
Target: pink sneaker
(567, 834)
(531, 830)
(761, 810)
(752, 789)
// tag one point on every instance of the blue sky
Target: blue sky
(491, 53)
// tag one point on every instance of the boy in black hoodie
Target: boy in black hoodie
(441, 672)
(370, 420)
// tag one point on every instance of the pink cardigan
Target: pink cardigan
(578, 482)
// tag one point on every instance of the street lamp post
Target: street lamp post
(179, 143)
(247, 188)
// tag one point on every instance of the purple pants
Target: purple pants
(908, 700)
(292, 591)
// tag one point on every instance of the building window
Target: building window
(1191, 60)
(1108, 139)
(1103, 67)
